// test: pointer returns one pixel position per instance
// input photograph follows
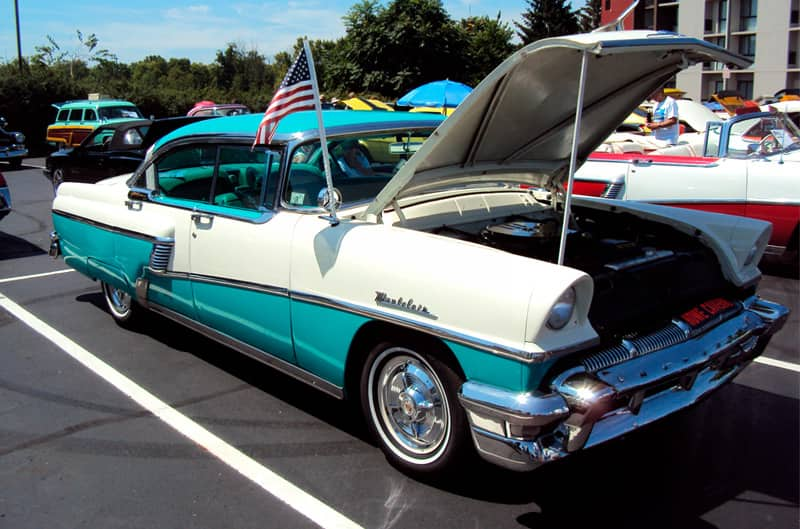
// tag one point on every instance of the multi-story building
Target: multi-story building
(768, 32)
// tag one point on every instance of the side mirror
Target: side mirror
(323, 199)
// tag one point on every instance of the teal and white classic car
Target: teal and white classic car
(439, 283)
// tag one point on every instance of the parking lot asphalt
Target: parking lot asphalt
(82, 450)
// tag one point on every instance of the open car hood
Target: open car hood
(516, 126)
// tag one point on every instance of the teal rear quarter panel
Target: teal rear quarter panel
(100, 253)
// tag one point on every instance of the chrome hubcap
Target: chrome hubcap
(120, 300)
(412, 405)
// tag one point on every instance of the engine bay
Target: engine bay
(644, 272)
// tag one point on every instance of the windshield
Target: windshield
(360, 166)
(120, 112)
(763, 136)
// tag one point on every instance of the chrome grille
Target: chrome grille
(614, 190)
(159, 259)
(637, 346)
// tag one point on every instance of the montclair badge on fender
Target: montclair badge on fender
(381, 298)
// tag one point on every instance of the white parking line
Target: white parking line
(293, 496)
(778, 363)
(34, 276)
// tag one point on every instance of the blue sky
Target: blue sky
(195, 29)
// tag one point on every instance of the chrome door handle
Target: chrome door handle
(202, 218)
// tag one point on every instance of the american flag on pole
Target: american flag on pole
(296, 92)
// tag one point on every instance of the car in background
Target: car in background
(211, 109)
(748, 165)
(12, 145)
(434, 289)
(110, 150)
(5, 197)
(75, 120)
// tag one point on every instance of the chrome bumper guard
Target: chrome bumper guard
(55, 247)
(521, 431)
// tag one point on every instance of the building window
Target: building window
(608, 5)
(748, 15)
(747, 46)
(745, 88)
(722, 16)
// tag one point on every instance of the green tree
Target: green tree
(388, 50)
(85, 53)
(488, 43)
(589, 15)
(546, 18)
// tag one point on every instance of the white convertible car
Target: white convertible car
(748, 165)
(463, 309)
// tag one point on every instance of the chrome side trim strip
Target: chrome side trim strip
(108, 227)
(483, 345)
(445, 334)
(221, 281)
(254, 353)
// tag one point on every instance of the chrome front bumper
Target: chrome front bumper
(8, 154)
(587, 407)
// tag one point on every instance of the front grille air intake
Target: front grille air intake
(668, 336)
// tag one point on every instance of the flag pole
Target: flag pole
(323, 140)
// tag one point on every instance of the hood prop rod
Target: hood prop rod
(573, 158)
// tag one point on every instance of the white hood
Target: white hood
(518, 122)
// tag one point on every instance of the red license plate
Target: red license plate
(706, 311)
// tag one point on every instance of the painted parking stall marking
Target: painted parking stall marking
(35, 276)
(778, 363)
(293, 496)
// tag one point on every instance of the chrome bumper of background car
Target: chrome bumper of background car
(521, 431)
(12, 153)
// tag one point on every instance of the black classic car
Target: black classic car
(12, 145)
(110, 150)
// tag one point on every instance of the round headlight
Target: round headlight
(562, 311)
(19, 137)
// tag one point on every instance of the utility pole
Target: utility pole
(19, 41)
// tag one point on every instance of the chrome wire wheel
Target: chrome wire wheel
(409, 406)
(58, 178)
(119, 303)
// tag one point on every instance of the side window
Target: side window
(713, 133)
(360, 166)
(63, 115)
(244, 181)
(89, 115)
(233, 176)
(187, 173)
(76, 114)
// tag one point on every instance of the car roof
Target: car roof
(94, 103)
(301, 122)
(124, 124)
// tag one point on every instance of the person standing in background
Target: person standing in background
(665, 118)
